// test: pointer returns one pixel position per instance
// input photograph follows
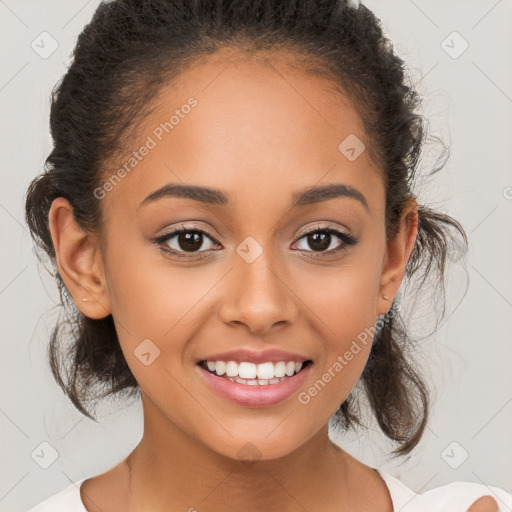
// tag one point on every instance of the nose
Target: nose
(258, 296)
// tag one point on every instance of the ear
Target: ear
(397, 255)
(79, 261)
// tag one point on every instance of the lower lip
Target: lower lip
(254, 396)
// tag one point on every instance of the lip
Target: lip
(254, 396)
(273, 356)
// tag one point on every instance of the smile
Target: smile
(252, 374)
(254, 385)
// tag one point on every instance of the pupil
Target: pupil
(319, 241)
(189, 241)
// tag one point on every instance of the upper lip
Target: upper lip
(251, 356)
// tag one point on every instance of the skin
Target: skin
(260, 132)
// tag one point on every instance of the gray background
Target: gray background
(468, 99)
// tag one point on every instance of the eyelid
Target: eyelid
(323, 227)
(183, 227)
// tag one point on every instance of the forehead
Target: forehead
(260, 127)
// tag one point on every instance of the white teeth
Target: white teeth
(247, 370)
(254, 374)
(279, 369)
(290, 368)
(219, 367)
(256, 382)
(231, 369)
(265, 371)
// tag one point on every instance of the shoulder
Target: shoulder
(67, 500)
(453, 497)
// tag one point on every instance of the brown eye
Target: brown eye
(190, 241)
(320, 239)
(185, 240)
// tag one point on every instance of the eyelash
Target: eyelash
(347, 239)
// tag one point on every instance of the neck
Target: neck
(170, 470)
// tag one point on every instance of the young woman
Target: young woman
(229, 206)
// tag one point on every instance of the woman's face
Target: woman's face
(247, 277)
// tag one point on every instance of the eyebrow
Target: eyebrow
(304, 197)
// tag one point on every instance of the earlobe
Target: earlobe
(79, 261)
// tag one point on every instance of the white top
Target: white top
(454, 497)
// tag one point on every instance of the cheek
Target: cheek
(341, 301)
(341, 304)
(158, 309)
(153, 299)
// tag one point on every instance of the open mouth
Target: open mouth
(252, 374)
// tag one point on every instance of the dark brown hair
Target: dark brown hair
(132, 48)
